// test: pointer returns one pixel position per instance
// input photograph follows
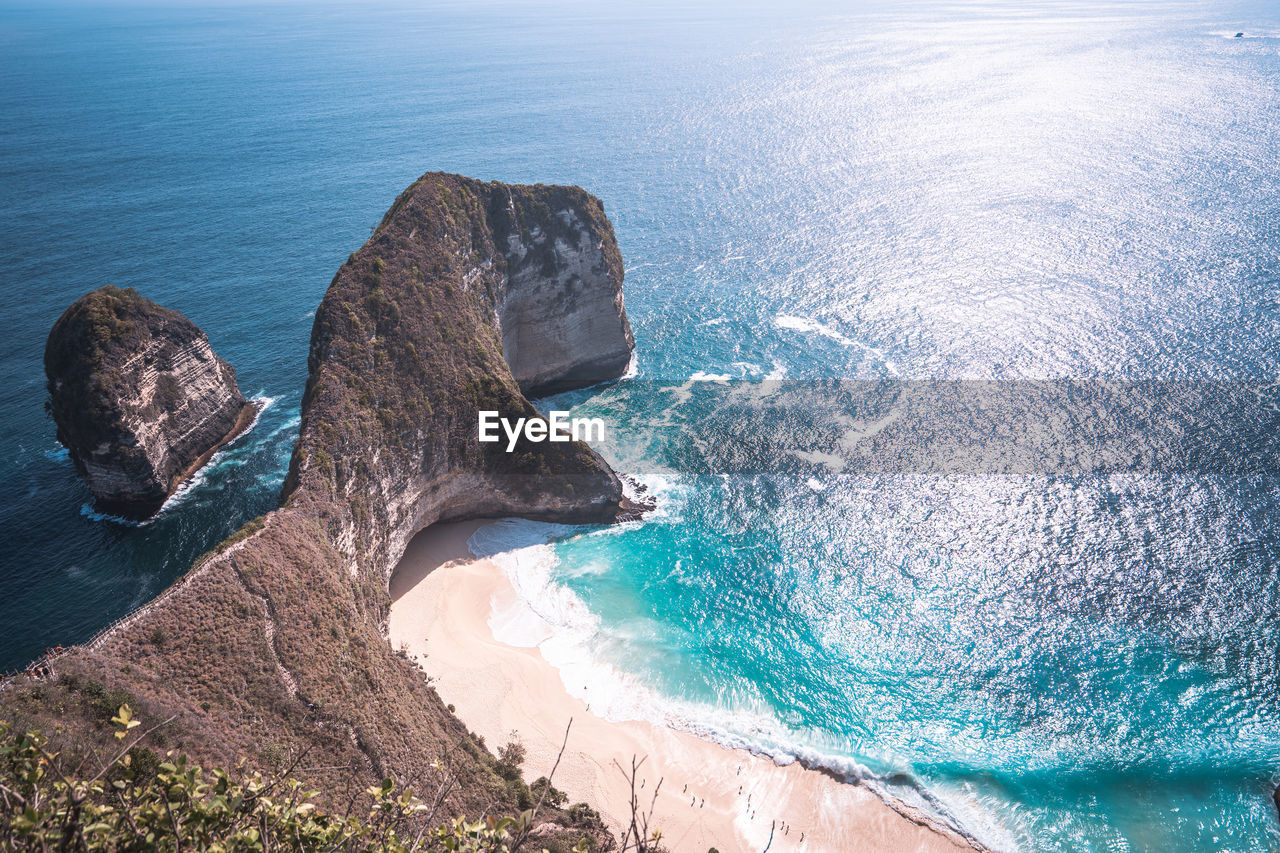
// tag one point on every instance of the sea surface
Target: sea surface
(1053, 656)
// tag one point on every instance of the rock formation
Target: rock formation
(139, 398)
(467, 292)
(277, 638)
(559, 307)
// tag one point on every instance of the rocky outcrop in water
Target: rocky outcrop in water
(139, 398)
(467, 296)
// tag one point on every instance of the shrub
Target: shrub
(139, 801)
(102, 703)
(511, 758)
(554, 796)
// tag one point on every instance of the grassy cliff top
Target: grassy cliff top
(106, 322)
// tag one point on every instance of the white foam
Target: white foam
(544, 614)
(202, 474)
(552, 618)
(87, 510)
(817, 457)
(808, 325)
(857, 431)
(290, 425)
(683, 393)
(194, 481)
(511, 534)
(633, 367)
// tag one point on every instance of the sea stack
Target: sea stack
(139, 398)
(468, 296)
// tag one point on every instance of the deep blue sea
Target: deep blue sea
(996, 191)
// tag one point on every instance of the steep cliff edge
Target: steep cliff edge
(438, 316)
(139, 397)
(274, 644)
(560, 312)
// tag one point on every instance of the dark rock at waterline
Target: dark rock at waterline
(139, 398)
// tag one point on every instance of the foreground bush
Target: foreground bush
(138, 801)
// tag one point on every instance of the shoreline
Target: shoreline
(246, 420)
(710, 795)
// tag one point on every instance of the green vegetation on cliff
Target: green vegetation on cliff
(134, 799)
(408, 336)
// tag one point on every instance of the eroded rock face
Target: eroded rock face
(139, 397)
(559, 308)
(469, 296)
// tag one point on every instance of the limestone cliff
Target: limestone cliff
(275, 643)
(559, 307)
(139, 397)
(467, 292)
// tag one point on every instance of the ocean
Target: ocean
(885, 193)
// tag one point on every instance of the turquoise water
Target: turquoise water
(997, 191)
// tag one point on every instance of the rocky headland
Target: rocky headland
(139, 397)
(274, 644)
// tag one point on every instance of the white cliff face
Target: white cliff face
(184, 404)
(146, 405)
(562, 322)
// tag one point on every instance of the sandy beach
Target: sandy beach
(710, 795)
